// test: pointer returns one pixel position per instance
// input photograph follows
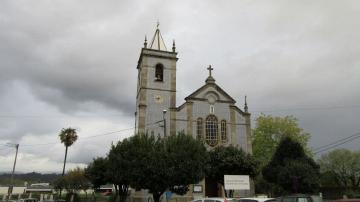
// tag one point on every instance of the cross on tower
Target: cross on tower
(210, 69)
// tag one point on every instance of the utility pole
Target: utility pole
(13, 170)
(164, 119)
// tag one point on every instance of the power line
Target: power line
(8, 144)
(6, 150)
(333, 145)
(337, 141)
(56, 116)
(80, 138)
(42, 144)
(88, 137)
(293, 108)
(109, 133)
(308, 108)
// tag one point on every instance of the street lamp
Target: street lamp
(164, 113)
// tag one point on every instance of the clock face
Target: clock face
(158, 99)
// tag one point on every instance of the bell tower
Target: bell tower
(156, 88)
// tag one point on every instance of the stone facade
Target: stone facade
(208, 113)
(154, 95)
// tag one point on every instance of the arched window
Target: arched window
(199, 128)
(223, 131)
(211, 130)
(159, 72)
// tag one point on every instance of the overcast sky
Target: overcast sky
(67, 63)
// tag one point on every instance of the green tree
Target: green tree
(268, 133)
(73, 181)
(97, 172)
(266, 136)
(121, 160)
(68, 137)
(343, 166)
(185, 161)
(173, 163)
(328, 179)
(230, 160)
(146, 162)
(76, 180)
(291, 169)
(59, 184)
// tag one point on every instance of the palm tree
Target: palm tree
(67, 136)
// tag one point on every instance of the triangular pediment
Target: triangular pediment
(211, 92)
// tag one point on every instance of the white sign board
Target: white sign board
(237, 182)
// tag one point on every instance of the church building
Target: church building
(209, 113)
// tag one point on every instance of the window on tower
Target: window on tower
(211, 130)
(159, 72)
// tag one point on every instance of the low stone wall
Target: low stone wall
(16, 190)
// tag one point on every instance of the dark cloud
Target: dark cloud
(66, 63)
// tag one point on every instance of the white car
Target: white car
(214, 199)
(255, 200)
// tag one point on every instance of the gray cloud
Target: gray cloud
(66, 63)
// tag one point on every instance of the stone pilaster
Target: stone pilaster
(173, 98)
(142, 98)
(142, 115)
(189, 118)
(172, 121)
(233, 134)
(248, 133)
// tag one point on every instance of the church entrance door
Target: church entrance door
(211, 188)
